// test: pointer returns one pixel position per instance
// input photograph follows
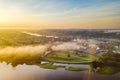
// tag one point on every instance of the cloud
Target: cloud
(52, 13)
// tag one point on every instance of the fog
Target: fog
(26, 54)
(85, 45)
(39, 49)
(23, 54)
(66, 46)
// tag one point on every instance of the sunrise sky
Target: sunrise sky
(59, 14)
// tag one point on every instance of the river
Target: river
(34, 72)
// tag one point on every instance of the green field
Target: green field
(50, 66)
(75, 69)
(63, 58)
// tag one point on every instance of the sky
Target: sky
(59, 14)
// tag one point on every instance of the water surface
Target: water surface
(34, 72)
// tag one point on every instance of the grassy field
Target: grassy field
(75, 69)
(50, 66)
(63, 58)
